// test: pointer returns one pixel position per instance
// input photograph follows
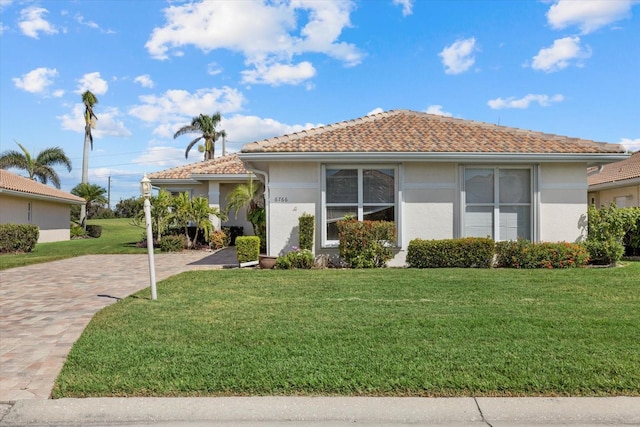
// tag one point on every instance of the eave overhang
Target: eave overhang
(26, 195)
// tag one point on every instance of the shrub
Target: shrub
(218, 239)
(607, 229)
(462, 253)
(631, 240)
(233, 232)
(248, 248)
(18, 237)
(94, 230)
(299, 258)
(524, 254)
(77, 232)
(305, 226)
(366, 244)
(173, 243)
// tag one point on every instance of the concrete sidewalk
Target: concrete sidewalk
(323, 411)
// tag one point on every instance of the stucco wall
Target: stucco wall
(294, 189)
(563, 202)
(53, 219)
(429, 200)
(628, 195)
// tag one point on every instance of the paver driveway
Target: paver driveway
(45, 307)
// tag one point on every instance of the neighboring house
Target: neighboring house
(436, 177)
(617, 183)
(25, 201)
(213, 179)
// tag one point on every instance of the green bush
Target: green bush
(607, 229)
(94, 231)
(631, 240)
(77, 232)
(525, 254)
(248, 248)
(302, 258)
(173, 243)
(305, 226)
(366, 244)
(17, 238)
(470, 252)
(218, 239)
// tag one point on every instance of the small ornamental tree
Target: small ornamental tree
(305, 227)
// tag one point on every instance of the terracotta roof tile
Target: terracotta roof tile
(404, 131)
(12, 182)
(225, 165)
(618, 171)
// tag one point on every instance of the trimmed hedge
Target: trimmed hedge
(172, 243)
(524, 254)
(94, 231)
(248, 248)
(16, 238)
(366, 244)
(305, 226)
(468, 252)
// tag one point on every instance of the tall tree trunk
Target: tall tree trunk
(85, 177)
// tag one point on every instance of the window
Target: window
(497, 203)
(366, 193)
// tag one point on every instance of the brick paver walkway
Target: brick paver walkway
(45, 307)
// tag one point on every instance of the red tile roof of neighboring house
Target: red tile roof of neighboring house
(225, 165)
(618, 171)
(404, 131)
(15, 184)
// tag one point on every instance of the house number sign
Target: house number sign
(281, 199)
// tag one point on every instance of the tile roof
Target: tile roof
(225, 165)
(404, 131)
(618, 171)
(18, 184)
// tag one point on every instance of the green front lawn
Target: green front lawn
(397, 332)
(119, 236)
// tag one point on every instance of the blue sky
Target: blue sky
(568, 67)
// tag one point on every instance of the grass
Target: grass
(118, 237)
(393, 332)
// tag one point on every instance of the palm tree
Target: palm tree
(251, 196)
(89, 100)
(206, 126)
(196, 211)
(40, 168)
(92, 193)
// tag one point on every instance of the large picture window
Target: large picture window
(497, 203)
(367, 193)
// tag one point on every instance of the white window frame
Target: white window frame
(533, 199)
(360, 205)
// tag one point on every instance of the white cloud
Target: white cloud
(175, 107)
(375, 111)
(108, 123)
(629, 144)
(458, 57)
(407, 6)
(278, 74)
(213, 69)
(512, 102)
(94, 83)
(36, 81)
(5, 3)
(560, 55)
(144, 81)
(266, 33)
(243, 129)
(437, 109)
(32, 22)
(588, 15)
(164, 157)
